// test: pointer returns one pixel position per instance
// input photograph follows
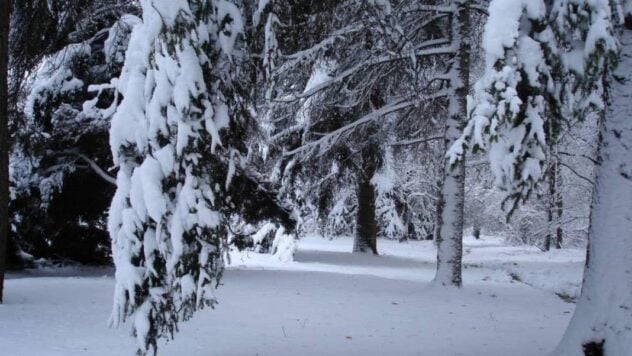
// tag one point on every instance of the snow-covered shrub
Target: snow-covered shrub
(284, 245)
(262, 240)
(340, 220)
(270, 238)
(388, 208)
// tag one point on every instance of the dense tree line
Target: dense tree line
(179, 130)
(62, 176)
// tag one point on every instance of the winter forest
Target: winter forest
(316, 177)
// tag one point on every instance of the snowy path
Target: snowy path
(485, 260)
(326, 303)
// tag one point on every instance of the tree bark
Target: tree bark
(602, 322)
(366, 221)
(450, 213)
(559, 207)
(366, 224)
(5, 11)
(477, 230)
(554, 233)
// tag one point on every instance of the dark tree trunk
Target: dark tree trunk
(366, 221)
(550, 205)
(5, 10)
(559, 236)
(559, 206)
(555, 206)
(366, 224)
(477, 230)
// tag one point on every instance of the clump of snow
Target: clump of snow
(321, 73)
(284, 245)
(340, 219)
(384, 180)
(118, 38)
(502, 29)
(262, 233)
(230, 16)
(388, 215)
(55, 75)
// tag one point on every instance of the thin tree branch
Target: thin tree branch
(95, 167)
(580, 155)
(590, 181)
(387, 109)
(480, 8)
(415, 141)
(368, 63)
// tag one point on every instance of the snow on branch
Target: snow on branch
(433, 8)
(329, 138)
(93, 165)
(373, 62)
(321, 45)
(416, 141)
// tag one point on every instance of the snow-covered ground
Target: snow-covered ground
(327, 302)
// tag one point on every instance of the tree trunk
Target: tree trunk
(550, 206)
(5, 10)
(450, 213)
(366, 224)
(602, 323)
(559, 206)
(366, 221)
(554, 232)
(477, 230)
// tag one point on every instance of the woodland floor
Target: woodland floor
(327, 302)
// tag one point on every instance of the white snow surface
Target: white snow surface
(327, 302)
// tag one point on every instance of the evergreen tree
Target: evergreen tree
(371, 69)
(522, 96)
(60, 192)
(390, 204)
(306, 115)
(57, 52)
(177, 139)
(41, 28)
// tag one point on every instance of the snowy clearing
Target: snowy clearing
(327, 302)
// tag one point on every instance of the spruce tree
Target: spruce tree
(176, 138)
(547, 61)
(60, 187)
(367, 67)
